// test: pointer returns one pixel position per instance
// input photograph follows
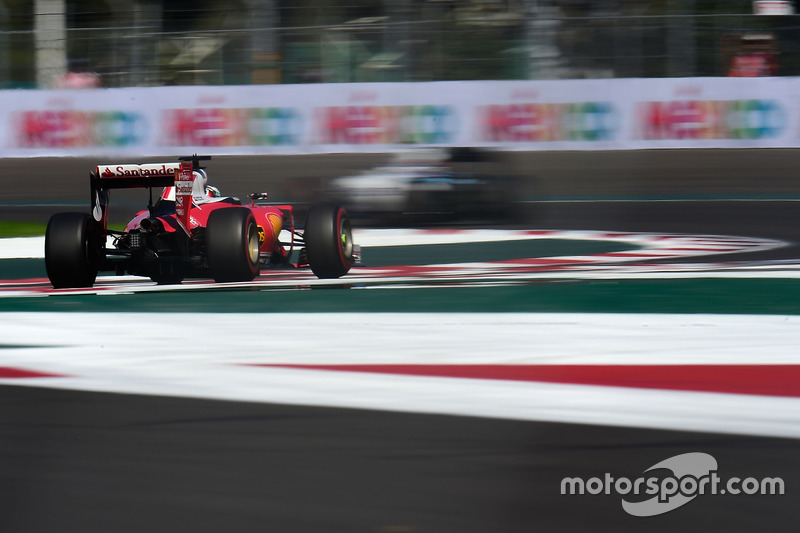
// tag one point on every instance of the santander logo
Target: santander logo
(136, 171)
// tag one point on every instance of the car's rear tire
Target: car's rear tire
(328, 238)
(72, 250)
(232, 244)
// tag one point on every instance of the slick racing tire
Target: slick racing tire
(72, 250)
(232, 244)
(329, 241)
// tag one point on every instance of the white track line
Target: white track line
(205, 356)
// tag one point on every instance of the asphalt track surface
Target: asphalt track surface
(78, 461)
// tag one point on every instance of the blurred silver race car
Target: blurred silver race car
(427, 184)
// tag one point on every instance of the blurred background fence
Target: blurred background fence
(127, 43)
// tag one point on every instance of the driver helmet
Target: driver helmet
(200, 188)
(199, 185)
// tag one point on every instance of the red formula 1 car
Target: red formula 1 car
(191, 231)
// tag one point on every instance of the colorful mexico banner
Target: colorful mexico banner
(613, 114)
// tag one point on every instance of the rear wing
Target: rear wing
(132, 176)
(106, 177)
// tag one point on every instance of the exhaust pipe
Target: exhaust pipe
(152, 225)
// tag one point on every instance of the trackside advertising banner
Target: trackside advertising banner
(616, 114)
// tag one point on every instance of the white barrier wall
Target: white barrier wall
(289, 119)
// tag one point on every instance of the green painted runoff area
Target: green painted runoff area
(435, 254)
(730, 296)
(22, 268)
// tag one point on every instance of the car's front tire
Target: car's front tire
(232, 244)
(328, 238)
(72, 250)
